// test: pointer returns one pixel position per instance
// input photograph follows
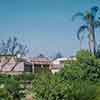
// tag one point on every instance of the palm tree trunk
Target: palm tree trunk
(90, 46)
(94, 44)
(89, 43)
(80, 44)
(93, 39)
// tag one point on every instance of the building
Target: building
(58, 64)
(40, 63)
(12, 65)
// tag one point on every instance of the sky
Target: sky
(45, 26)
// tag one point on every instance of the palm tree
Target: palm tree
(81, 39)
(91, 23)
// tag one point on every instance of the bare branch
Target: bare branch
(11, 48)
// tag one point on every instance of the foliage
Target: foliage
(79, 80)
(91, 23)
(14, 86)
(11, 48)
(53, 87)
(72, 72)
(24, 77)
(10, 88)
(89, 64)
(4, 95)
(84, 56)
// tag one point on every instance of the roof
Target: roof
(58, 60)
(37, 60)
(19, 66)
(8, 67)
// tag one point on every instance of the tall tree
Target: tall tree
(12, 48)
(91, 23)
(98, 51)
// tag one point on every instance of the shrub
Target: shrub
(52, 87)
(11, 88)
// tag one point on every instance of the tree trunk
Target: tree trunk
(92, 38)
(80, 44)
(94, 43)
(89, 43)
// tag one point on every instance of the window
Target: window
(37, 68)
(27, 67)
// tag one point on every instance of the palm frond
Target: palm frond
(94, 10)
(97, 24)
(80, 30)
(79, 14)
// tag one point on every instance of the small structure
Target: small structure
(59, 61)
(13, 65)
(58, 64)
(40, 63)
(55, 68)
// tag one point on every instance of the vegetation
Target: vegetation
(12, 48)
(91, 23)
(10, 88)
(55, 88)
(78, 80)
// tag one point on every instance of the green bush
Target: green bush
(72, 72)
(79, 80)
(4, 95)
(53, 87)
(11, 88)
(85, 57)
(89, 64)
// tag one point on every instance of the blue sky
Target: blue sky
(44, 25)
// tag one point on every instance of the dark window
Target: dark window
(46, 67)
(27, 67)
(37, 68)
(40, 68)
